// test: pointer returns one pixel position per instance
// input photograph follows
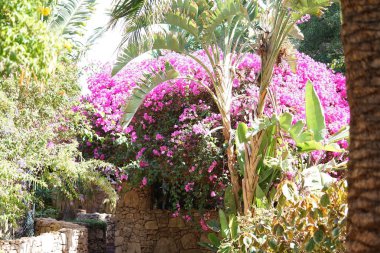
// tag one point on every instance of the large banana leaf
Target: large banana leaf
(147, 84)
(312, 138)
(315, 119)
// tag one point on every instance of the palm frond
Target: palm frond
(146, 85)
(70, 16)
(91, 40)
(124, 10)
(164, 40)
(137, 16)
(226, 11)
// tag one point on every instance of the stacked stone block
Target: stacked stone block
(52, 237)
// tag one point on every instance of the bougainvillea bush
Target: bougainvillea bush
(175, 141)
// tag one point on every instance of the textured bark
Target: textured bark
(231, 160)
(361, 40)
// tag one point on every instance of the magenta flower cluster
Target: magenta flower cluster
(108, 93)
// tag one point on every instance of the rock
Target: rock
(163, 222)
(176, 222)
(151, 225)
(189, 241)
(119, 250)
(100, 234)
(190, 251)
(166, 245)
(119, 241)
(131, 199)
(134, 247)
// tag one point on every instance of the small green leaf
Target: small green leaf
(287, 192)
(318, 236)
(233, 227)
(279, 230)
(296, 130)
(213, 239)
(240, 140)
(273, 244)
(224, 230)
(325, 200)
(286, 121)
(229, 201)
(310, 245)
(342, 134)
(214, 225)
(208, 246)
(336, 232)
(241, 132)
(259, 192)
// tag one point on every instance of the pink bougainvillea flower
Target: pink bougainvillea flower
(143, 164)
(189, 186)
(212, 177)
(186, 217)
(144, 182)
(140, 153)
(212, 166)
(203, 224)
(192, 169)
(163, 149)
(159, 137)
(156, 152)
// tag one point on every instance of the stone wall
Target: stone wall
(94, 202)
(99, 239)
(52, 237)
(141, 229)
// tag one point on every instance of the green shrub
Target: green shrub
(91, 223)
(322, 38)
(300, 222)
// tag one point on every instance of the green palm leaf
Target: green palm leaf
(164, 41)
(137, 17)
(146, 85)
(185, 23)
(70, 16)
(226, 11)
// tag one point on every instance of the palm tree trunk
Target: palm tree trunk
(361, 40)
(231, 160)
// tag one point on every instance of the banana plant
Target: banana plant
(278, 23)
(313, 136)
(258, 143)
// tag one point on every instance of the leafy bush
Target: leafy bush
(38, 146)
(300, 222)
(306, 210)
(91, 223)
(174, 139)
(27, 45)
(322, 38)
